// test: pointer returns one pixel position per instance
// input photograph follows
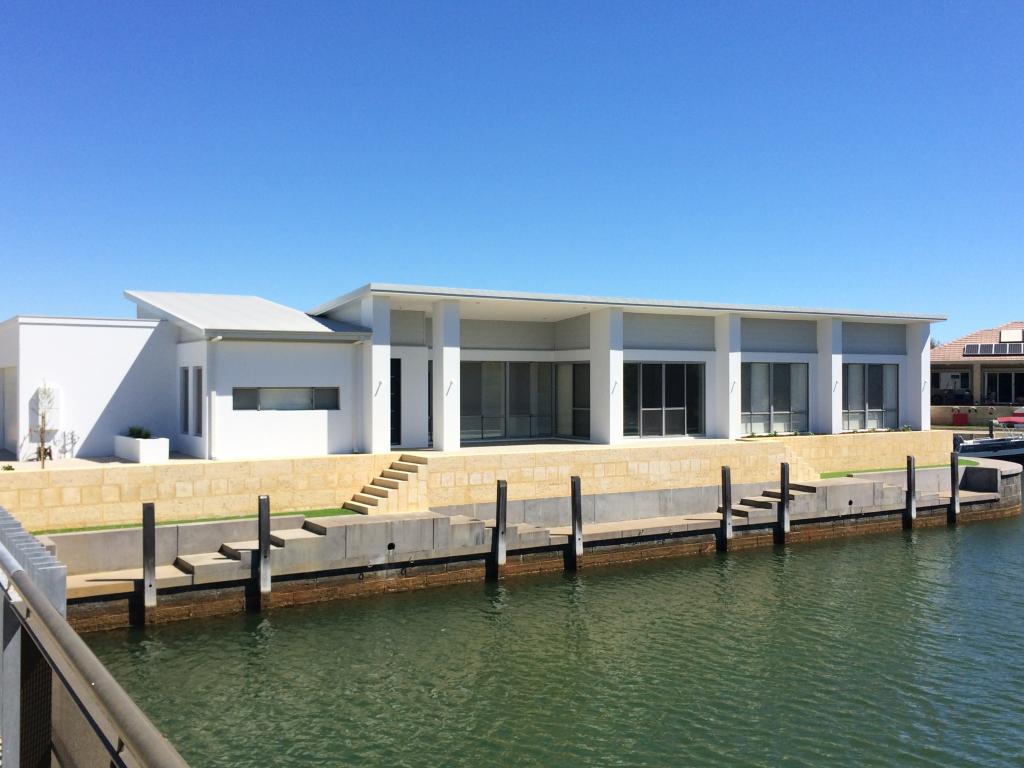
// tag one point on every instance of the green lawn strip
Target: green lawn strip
(334, 512)
(845, 472)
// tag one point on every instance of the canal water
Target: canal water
(882, 650)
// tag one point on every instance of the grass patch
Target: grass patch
(331, 512)
(845, 472)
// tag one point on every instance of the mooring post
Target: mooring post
(498, 538)
(782, 521)
(953, 513)
(991, 429)
(725, 529)
(148, 557)
(574, 547)
(264, 551)
(910, 508)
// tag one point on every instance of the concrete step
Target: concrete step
(765, 502)
(649, 526)
(281, 538)
(214, 567)
(803, 487)
(123, 582)
(362, 509)
(376, 490)
(406, 466)
(234, 549)
(744, 514)
(794, 494)
(411, 458)
(396, 474)
(387, 482)
(368, 498)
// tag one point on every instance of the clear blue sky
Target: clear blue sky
(865, 155)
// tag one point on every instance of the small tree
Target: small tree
(46, 402)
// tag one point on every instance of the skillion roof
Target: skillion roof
(239, 317)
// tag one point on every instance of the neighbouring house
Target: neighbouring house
(982, 370)
(403, 366)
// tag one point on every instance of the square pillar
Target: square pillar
(375, 434)
(724, 401)
(828, 406)
(447, 354)
(606, 376)
(919, 390)
(977, 385)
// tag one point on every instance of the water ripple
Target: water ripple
(886, 650)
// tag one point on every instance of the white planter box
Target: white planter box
(153, 450)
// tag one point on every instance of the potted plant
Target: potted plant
(140, 446)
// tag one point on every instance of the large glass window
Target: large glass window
(198, 398)
(1004, 388)
(285, 399)
(773, 397)
(870, 396)
(661, 399)
(506, 400)
(183, 413)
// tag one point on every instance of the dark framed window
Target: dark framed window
(183, 412)
(286, 399)
(773, 397)
(197, 401)
(870, 396)
(662, 399)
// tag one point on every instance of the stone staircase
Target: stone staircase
(388, 492)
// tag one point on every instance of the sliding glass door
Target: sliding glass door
(661, 399)
(507, 400)
(773, 397)
(870, 396)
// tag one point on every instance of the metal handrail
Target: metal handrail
(52, 633)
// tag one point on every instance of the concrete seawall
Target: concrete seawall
(328, 558)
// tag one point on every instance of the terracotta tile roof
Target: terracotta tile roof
(953, 351)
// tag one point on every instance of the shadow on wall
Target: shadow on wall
(146, 396)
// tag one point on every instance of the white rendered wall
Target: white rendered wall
(262, 434)
(375, 373)
(606, 376)
(725, 421)
(827, 417)
(110, 375)
(918, 392)
(446, 352)
(9, 437)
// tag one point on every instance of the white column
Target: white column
(828, 407)
(724, 405)
(918, 384)
(375, 314)
(606, 376)
(447, 353)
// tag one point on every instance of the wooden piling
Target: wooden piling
(725, 529)
(263, 555)
(910, 508)
(953, 513)
(574, 547)
(148, 556)
(497, 560)
(782, 519)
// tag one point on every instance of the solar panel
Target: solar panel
(971, 349)
(1017, 349)
(984, 349)
(1011, 334)
(999, 349)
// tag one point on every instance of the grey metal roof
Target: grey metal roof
(239, 316)
(426, 291)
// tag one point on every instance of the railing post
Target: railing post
(574, 547)
(782, 520)
(725, 529)
(953, 513)
(497, 561)
(148, 556)
(10, 684)
(910, 508)
(263, 556)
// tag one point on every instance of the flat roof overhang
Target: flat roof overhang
(518, 305)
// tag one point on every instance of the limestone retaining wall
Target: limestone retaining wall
(100, 494)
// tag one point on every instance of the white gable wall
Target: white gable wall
(259, 434)
(109, 376)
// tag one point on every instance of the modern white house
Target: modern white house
(404, 366)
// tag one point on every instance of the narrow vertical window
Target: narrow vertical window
(197, 401)
(183, 412)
